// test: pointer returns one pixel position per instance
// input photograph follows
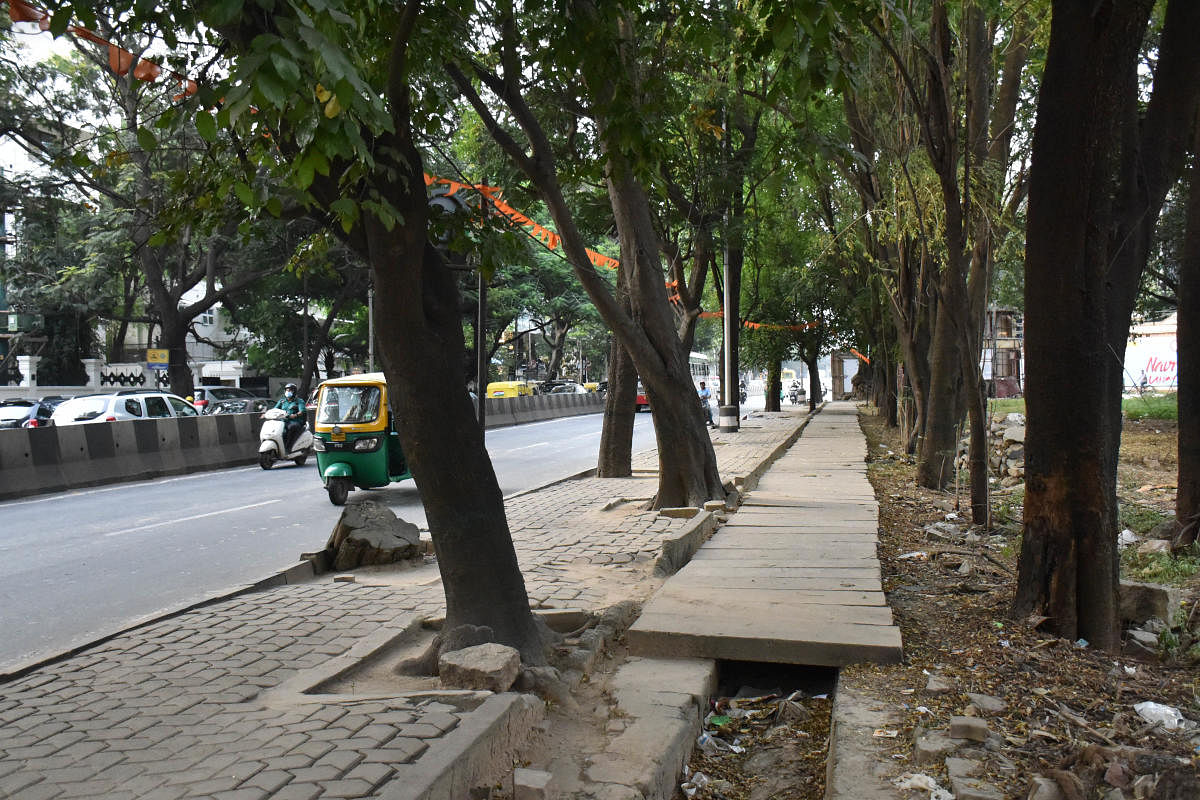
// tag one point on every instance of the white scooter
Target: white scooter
(270, 438)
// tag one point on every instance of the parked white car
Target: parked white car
(121, 406)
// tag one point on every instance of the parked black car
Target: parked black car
(25, 414)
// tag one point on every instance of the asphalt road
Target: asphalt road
(77, 565)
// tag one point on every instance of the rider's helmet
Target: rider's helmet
(291, 387)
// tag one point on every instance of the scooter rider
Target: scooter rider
(295, 411)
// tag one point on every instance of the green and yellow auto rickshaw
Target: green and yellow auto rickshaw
(356, 441)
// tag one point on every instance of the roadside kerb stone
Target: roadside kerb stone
(482, 746)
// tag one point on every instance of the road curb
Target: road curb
(852, 765)
(481, 747)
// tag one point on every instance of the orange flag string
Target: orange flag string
(860, 355)
(757, 325)
(120, 60)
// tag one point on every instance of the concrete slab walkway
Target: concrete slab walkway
(793, 577)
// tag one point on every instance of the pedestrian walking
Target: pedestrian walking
(705, 396)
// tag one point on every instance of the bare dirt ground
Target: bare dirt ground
(1067, 709)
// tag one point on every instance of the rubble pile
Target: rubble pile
(1006, 449)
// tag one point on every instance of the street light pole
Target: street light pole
(371, 328)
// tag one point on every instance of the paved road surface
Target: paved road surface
(75, 565)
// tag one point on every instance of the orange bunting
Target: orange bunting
(861, 356)
(120, 60)
(540, 232)
(19, 11)
(757, 325)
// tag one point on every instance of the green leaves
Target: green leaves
(206, 126)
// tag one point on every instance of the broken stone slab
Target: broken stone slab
(533, 784)
(962, 767)
(932, 747)
(1143, 638)
(1043, 788)
(973, 789)
(1154, 546)
(943, 531)
(1144, 601)
(682, 512)
(970, 728)
(938, 685)
(492, 667)
(987, 703)
(368, 534)
(1014, 433)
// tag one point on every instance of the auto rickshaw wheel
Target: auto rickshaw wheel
(266, 460)
(338, 489)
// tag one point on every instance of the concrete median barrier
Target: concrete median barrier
(39, 460)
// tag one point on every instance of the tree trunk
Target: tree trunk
(1187, 337)
(557, 341)
(1068, 563)
(616, 437)
(688, 474)
(774, 385)
(421, 346)
(935, 459)
(814, 381)
(174, 340)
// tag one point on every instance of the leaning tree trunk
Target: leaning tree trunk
(421, 346)
(687, 463)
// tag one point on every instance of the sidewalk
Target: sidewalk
(223, 701)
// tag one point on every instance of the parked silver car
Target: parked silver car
(121, 406)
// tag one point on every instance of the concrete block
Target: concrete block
(532, 784)
(1142, 601)
(971, 728)
(932, 748)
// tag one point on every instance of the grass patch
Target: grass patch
(1151, 406)
(1140, 519)
(1006, 405)
(1009, 508)
(1160, 567)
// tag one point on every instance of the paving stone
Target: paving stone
(298, 791)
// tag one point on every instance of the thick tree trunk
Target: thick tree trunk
(774, 385)
(1068, 564)
(1187, 337)
(935, 458)
(814, 381)
(174, 340)
(688, 474)
(421, 344)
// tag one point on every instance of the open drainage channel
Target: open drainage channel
(766, 734)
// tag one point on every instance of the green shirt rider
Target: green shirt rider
(295, 411)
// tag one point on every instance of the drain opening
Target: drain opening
(766, 733)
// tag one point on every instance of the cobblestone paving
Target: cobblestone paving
(172, 709)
